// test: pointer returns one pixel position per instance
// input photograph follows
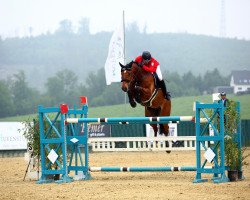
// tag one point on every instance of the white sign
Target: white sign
(10, 136)
(209, 155)
(172, 130)
(216, 97)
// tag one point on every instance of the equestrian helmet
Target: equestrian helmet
(223, 94)
(146, 55)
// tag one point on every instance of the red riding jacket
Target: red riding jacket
(151, 66)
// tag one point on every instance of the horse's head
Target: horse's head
(126, 76)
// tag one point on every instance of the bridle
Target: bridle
(124, 70)
(136, 78)
(133, 77)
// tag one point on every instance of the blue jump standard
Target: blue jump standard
(142, 169)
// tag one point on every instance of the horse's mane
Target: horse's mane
(137, 68)
(130, 64)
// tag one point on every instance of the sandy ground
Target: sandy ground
(115, 185)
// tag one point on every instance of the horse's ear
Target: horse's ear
(122, 66)
(129, 65)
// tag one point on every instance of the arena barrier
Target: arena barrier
(70, 142)
(180, 143)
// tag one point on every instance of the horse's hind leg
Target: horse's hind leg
(149, 112)
(165, 111)
(164, 128)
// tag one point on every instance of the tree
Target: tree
(65, 27)
(62, 88)
(133, 28)
(213, 79)
(6, 103)
(24, 97)
(111, 95)
(173, 83)
(96, 83)
(189, 84)
(83, 27)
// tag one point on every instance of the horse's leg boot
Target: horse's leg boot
(131, 100)
(132, 103)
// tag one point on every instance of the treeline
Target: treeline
(77, 49)
(19, 98)
(58, 67)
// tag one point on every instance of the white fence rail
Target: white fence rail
(179, 143)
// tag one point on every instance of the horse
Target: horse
(141, 88)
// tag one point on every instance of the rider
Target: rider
(150, 64)
(225, 102)
(224, 99)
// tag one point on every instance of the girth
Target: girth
(148, 103)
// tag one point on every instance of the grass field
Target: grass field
(180, 106)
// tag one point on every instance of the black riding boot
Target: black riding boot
(164, 90)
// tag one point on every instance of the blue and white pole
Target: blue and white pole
(126, 120)
(142, 169)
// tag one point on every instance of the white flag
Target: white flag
(115, 55)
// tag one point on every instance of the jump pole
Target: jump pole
(158, 120)
(142, 169)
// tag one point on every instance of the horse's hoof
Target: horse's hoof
(133, 104)
(167, 145)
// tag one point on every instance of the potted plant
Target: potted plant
(242, 162)
(32, 134)
(231, 157)
(232, 150)
(234, 155)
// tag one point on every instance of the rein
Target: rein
(147, 103)
(133, 79)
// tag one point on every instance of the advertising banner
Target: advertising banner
(11, 136)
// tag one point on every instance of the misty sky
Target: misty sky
(192, 16)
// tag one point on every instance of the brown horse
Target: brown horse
(141, 88)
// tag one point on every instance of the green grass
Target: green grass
(180, 106)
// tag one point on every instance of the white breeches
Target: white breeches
(158, 72)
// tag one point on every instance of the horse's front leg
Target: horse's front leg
(138, 91)
(131, 99)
